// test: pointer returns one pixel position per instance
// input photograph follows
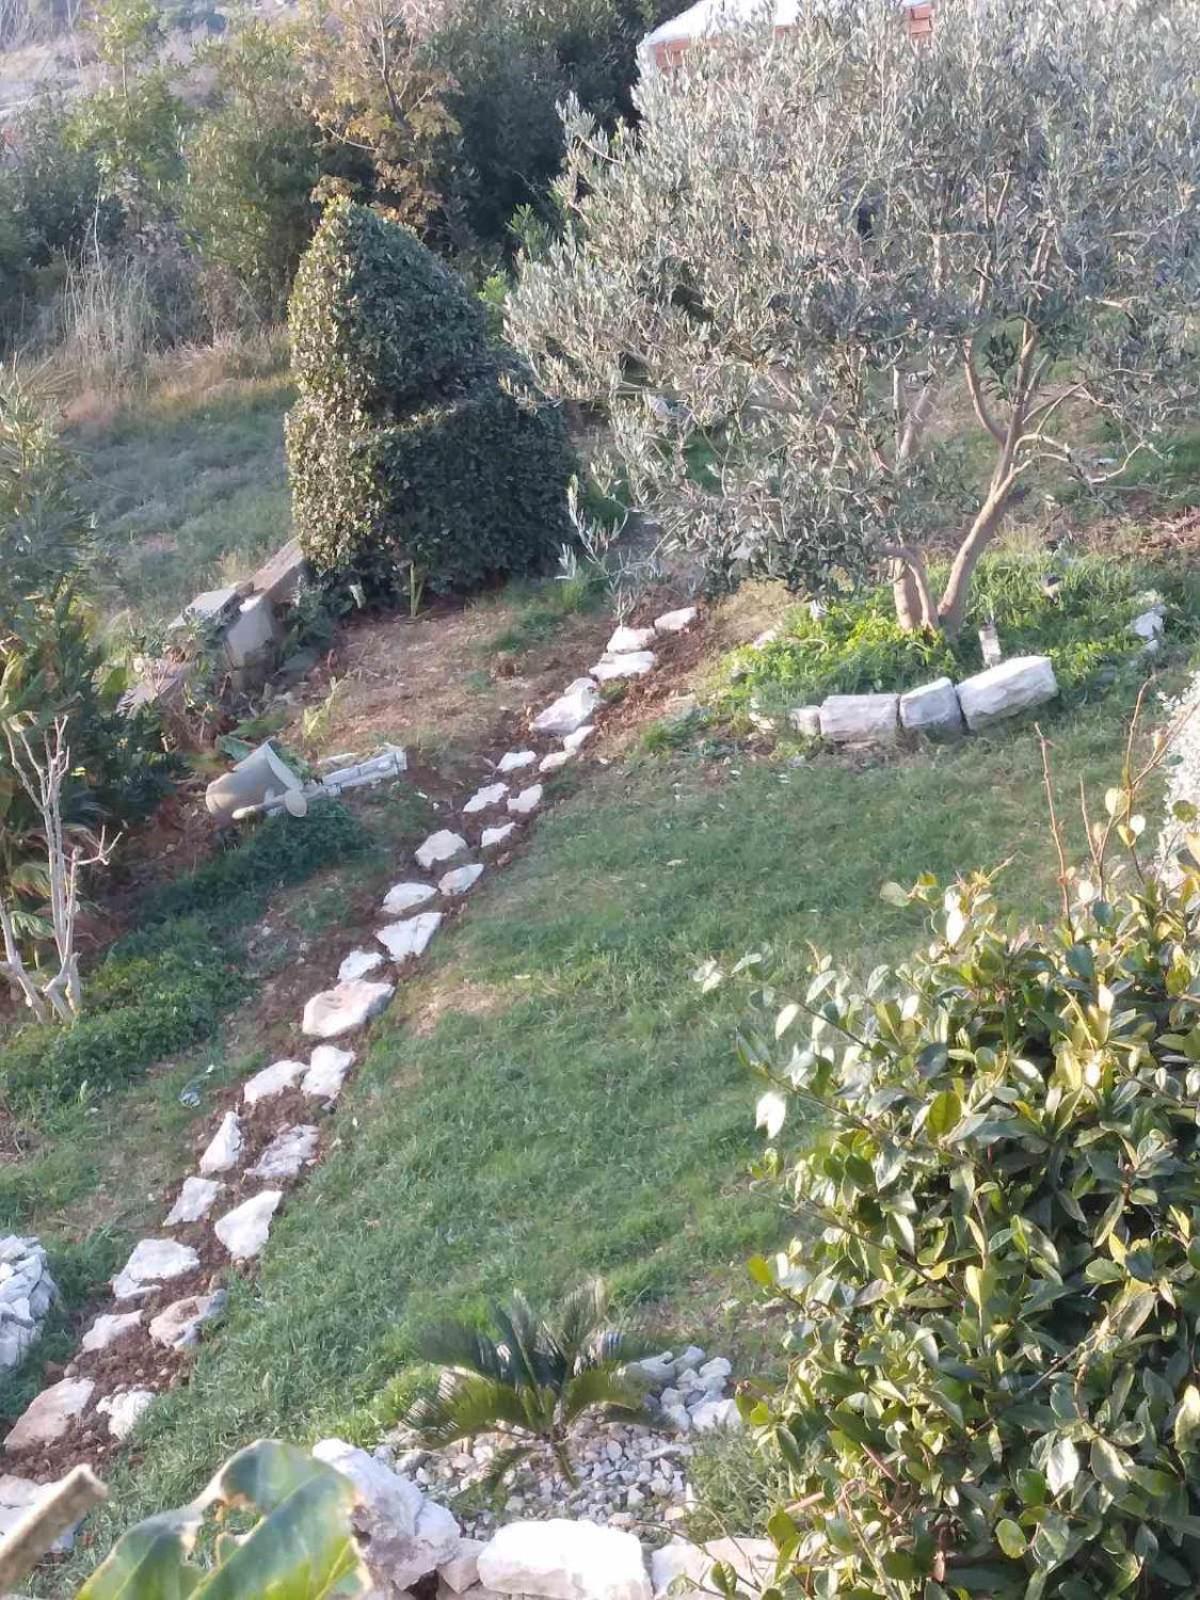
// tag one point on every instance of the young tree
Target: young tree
(821, 248)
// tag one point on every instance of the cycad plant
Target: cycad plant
(535, 1376)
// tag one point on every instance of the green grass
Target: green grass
(542, 609)
(188, 495)
(555, 1097)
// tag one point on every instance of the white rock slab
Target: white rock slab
(403, 940)
(496, 836)
(571, 710)
(290, 1149)
(333, 1012)
(441, 846)
(581, 735)
(461, 1572)
(272, 1080)
(861, 718)
(359, 964)
(753, 1560)
(520, 805)
(153, 1262)
(404, 1537)
(717, 1414)
(178, 1325)
(125, 1410)
(243, 1231)
(555, 760)
(1004, 691)
(491, 795)
(327, 1072)
(634, 665)
(225, 1148)
(515, 760)
(49, 1415)
(195, 1200)
(1150, 625)
(460, 880)
(932, 709)
(403, 897)
(806, 721)
(108, 1329)
(27, 1292)
(625, 640)
(564, 1560)
(17, 1496)
(675, 621)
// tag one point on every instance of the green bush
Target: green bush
(417, 456)
(994, 1289)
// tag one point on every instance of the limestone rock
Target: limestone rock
(272, 1080)
(403, 897)
(564, 1560)
(125, 1410)
(753, 1560)
(20, 1495)
(520, 805)
(178, 1326)
(27, 1292)
(460, 880)
(581, 735)
(441, 846)
(711, 1415)
(555, 760)
(403, 940)
(570, 711)
(494, 836)
(288, 1151)
(243, 1231)
(515, 760)
(1014, 686)
(933, 709)
(675, 621)
(49, 1415)
(1150, 624)
(625, 640)
(341, 1010)
(404, 1537)
(326, 1073)
(359, 964)
(153, 1262)
(195, 1201)
(225, 1147)
(861, 718)
(806, 721)
(462, 1570)
(491, 795)
(634, 665)
(108, 1329)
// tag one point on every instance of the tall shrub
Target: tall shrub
(994, 1289)
(418, 455)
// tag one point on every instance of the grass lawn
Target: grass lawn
(554, 1097)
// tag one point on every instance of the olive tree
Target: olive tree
(825, 251)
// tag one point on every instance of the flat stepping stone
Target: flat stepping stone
(555, 760)
(359, 964)
(243, 1231)
(496, 836)
(349, 1006)
(327, 1072)
(290, 1149)
(515, 760)
(178, 1325)
(404, 896)
(675, 621)
(634, 665)
(153, 1262)
(581, 735)
(520, 805)
(460, 880)
(49, 1415)
(125, 1410)
(403, 940)
(571, 710)
(108, 1329)
(627, 639)
(195, 1201)
(441, 846)
(225, 1148)
(273, 1080)
(484, 799)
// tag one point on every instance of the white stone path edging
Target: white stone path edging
(242, 1228)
